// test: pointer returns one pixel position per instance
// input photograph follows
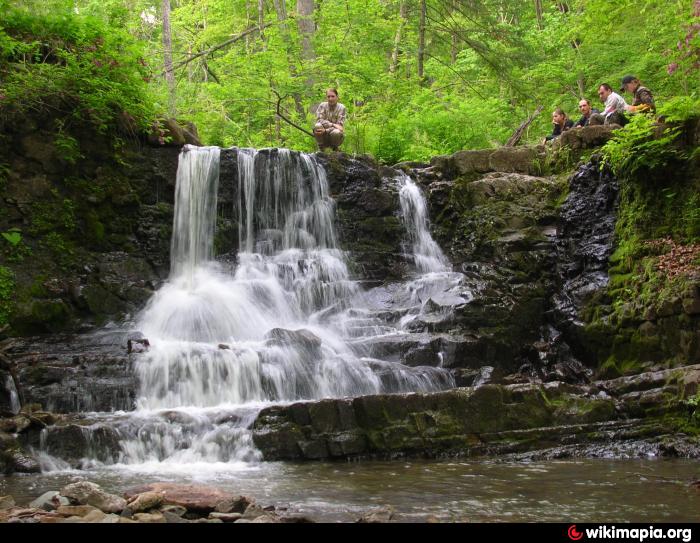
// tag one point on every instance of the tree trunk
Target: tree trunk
(281, 10)
(455, 38)
(247, 25)
(515, 138)
(307, 28)
(538, 12)
(261, 22)
(397, 38)
(421, 39)
(168, 57)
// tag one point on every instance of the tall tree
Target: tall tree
(538, 14)
(168, 57)
(282, 17)
(397, 38)
(421, 40)
(307, 28)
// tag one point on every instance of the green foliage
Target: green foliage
(487, 66)
(13, 236)
(74, 67)
(638, 147)
(67, 146)
(7, 290)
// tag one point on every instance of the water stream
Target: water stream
(285, 323)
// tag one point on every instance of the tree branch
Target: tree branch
(220, 46)
(279, 114)
(515, 138)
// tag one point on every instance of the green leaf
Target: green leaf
(12, 237)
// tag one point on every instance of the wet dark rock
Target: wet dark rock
(367, 202)
(234, 504)
(486, 420)
(302, 340)
(137, 345)
(119, 245)
(379, 515)
(68, 374)
(586, 232)
(73, 442)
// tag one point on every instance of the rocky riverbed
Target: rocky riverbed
(86, 502)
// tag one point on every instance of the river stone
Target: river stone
(23, 463)
(253, 511)
(6, 503)
(195, 498)
(149, 518)
(172, 518)
(144, 502)
(49, 501)
(75, 510)
(86, 493)
(383, 514)
(226, 517)
(237, 504)
(176, 510)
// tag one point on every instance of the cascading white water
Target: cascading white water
(286, 323)
(427, 255)
(195, 210)
(280, 326)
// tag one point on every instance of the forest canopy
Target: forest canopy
(418, 77)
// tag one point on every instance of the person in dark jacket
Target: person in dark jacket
(561, 124)
(643, 99)
(584, 106)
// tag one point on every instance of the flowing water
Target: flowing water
(595, 491)
(285, 323)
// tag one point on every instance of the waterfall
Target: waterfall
(427, 255)
(195, 209)
(287, 322)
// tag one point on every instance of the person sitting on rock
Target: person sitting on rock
(329, 129)
(561, 124)
(615, 107)
(586, 110)
(643, 99)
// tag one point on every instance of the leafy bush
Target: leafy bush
(74, 67)
(638, 146)
(7, 289)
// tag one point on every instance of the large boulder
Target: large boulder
(195, 498)
(87, 493)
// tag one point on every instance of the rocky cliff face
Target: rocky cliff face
(92, 234)
(534, 250)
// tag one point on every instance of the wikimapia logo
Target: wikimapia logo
(635, 534)
(573, 534)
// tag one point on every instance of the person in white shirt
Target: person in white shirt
(615, 106)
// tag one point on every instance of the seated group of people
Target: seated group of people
(615, 107)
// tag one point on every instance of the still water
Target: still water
(581, 491)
